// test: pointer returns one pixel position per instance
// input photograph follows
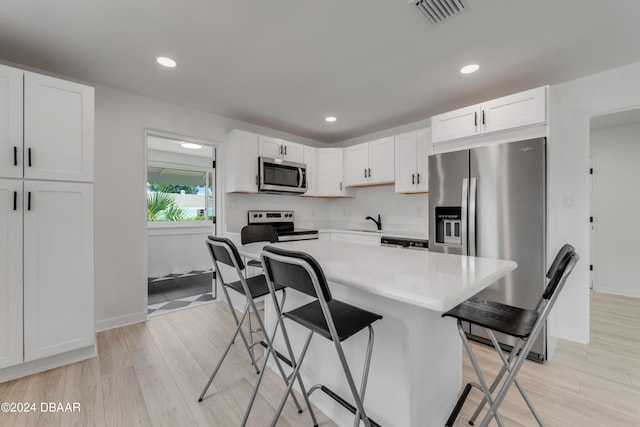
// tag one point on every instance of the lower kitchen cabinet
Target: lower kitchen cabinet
(49, 308)
(10, 273)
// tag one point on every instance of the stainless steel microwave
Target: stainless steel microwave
(281, 176)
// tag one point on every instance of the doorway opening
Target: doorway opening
(615, 201)
(181, 212)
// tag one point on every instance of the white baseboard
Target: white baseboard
(618, 291)
(116, 322)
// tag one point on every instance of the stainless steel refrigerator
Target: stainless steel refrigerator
(491, 202)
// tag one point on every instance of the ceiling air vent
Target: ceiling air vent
(437, 11)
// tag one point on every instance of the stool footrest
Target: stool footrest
(346, 405)
(280, 355)
(456, 410)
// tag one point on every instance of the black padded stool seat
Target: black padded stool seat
(257, 286)
(349, 320)
(507, 319)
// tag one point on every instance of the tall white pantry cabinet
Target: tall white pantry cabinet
(46, 222)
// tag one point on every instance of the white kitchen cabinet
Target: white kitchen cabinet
(11, 330)
(311, 160)
(522, 109)
(277, 148)
(370, 163)
(46, 222)
(412, 150)
(330, 173)
(58, 267)
(58, 129)
(46, 127)
(241, 162)
(11, 122)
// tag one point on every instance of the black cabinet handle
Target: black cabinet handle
(369, 172)
(475, 118)
(340, 185)
(483, 117)
(365, 172)
(15, 200)
(15, 156)
(413, 178)
(285, 150)
(29, 201)
(29, 152)
(418, 178)
(256, 179)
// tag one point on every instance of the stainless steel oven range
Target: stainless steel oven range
(283, 221)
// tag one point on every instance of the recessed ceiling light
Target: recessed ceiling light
(468, 69)
(330, 119)
(191, 145)
(167, 62)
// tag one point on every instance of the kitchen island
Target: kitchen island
(416, 367)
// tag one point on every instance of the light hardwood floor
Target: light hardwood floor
(150, 374)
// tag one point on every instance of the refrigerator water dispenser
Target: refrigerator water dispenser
(448, 225)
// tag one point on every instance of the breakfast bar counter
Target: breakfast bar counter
(416, 368)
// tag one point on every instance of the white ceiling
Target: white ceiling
(285, 64)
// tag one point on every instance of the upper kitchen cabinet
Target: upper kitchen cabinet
(370, 163)
(277, 148)
(46, 127)
(412, 150)
(11, 121)
(522, 109)
(241, 162)
(331, 173)
(311, 160)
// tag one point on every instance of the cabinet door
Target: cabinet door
(422, 160)
(330, 172)
(58, 129)
(456, 124)
(58, 268)
(10, 272)
(356, 164)
(311, 160)
(293, 152)
(270, 147)
(517, 110)
(11, 122)
(241, 165)
(406, 160)
(381, 163)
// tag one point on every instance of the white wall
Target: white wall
(120, 177)
(616, 152)
(398, 211)
(573, 104)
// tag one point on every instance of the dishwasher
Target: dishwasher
(405, 243)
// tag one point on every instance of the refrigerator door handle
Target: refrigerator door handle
(472, 216)
(463, 215)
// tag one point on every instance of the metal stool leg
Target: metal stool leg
(365, 373)
(476, 367)
(224, 355)
(293, 376)
(235, 317)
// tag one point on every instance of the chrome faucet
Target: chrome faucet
(378, 222)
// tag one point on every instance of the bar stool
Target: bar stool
(223, 251)
(253, 233)
(523, 324)
(325, 316)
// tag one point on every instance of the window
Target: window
(177, 194)
(180, 181)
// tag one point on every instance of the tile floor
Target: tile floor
(178, 291)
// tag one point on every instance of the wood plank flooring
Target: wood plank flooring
(150, 374)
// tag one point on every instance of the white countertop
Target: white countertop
(423, 235)
(430, 280)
